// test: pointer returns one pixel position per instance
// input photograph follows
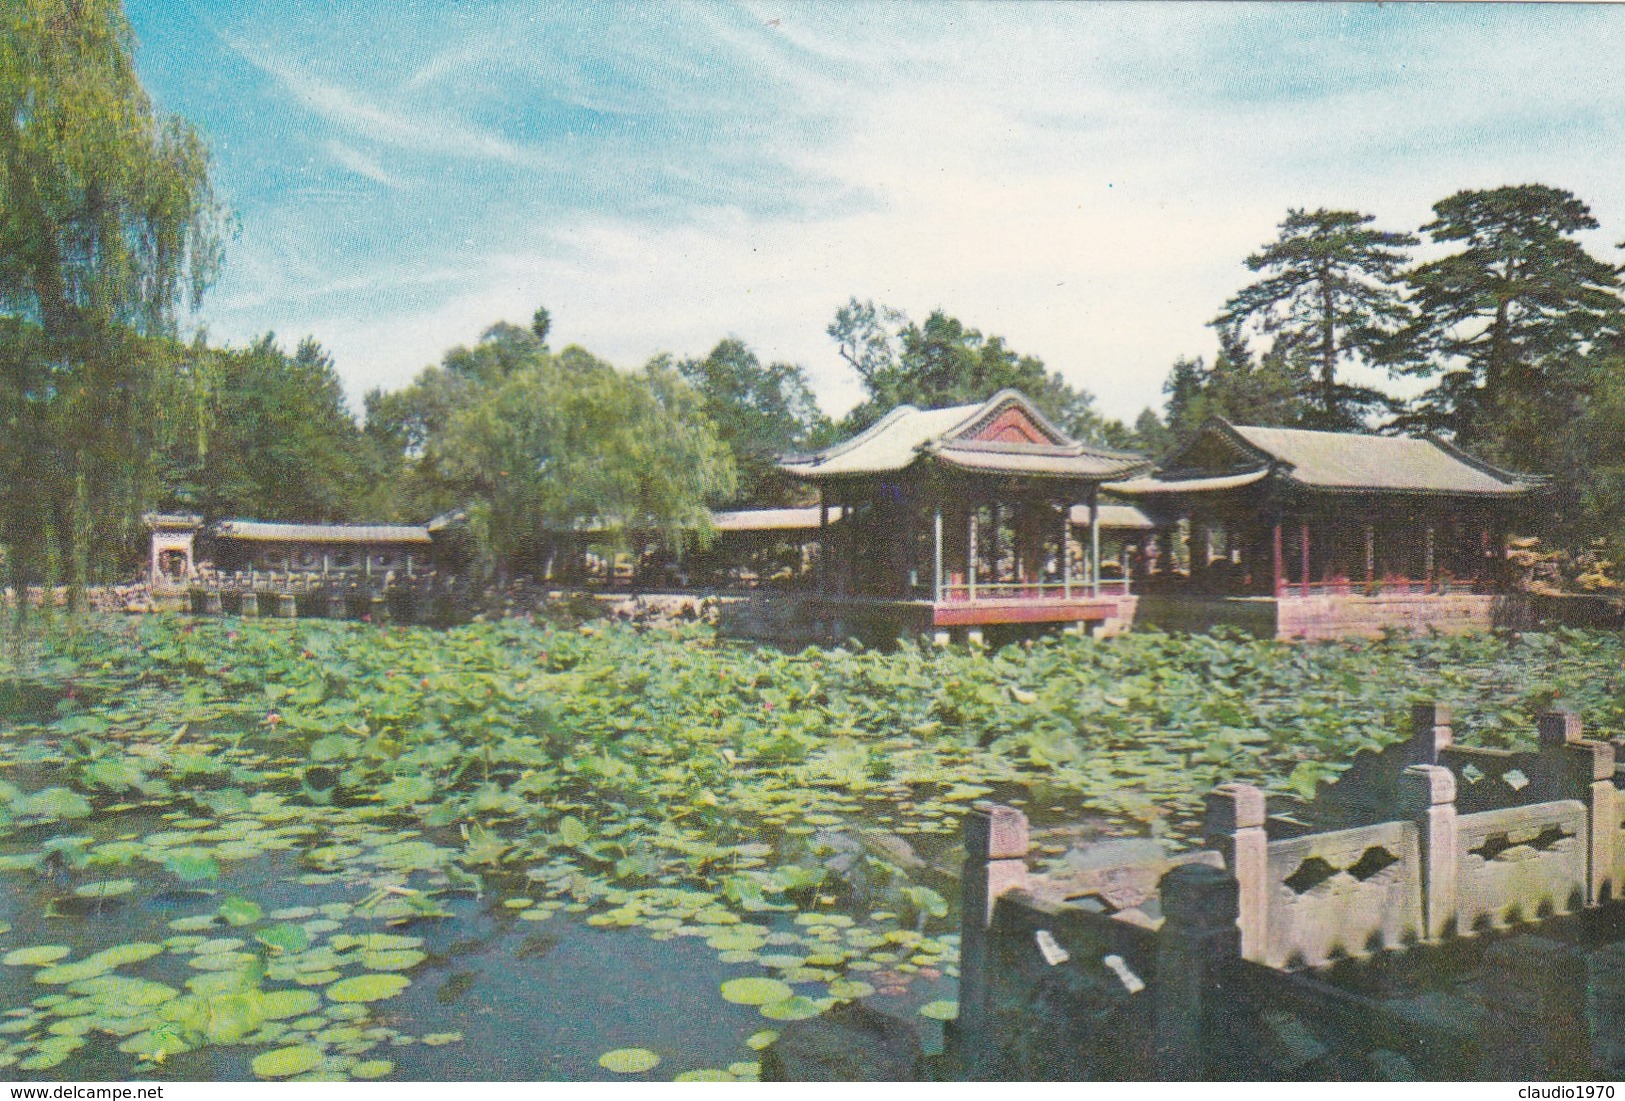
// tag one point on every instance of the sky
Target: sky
(1085, 180)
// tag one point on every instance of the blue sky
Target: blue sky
(1083, 179)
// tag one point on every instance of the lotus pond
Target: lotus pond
(310, 849)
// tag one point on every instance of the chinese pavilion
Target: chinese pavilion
(1382, 530)
(960, 518)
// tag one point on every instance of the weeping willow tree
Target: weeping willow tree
(108, 228)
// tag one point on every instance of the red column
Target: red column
(1278, 564)
(1303, 578)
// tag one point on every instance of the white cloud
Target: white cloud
(363, 165)
(1024, 183)
(422, 131)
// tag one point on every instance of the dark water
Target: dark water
(533, 1000)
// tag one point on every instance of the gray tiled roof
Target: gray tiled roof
(906, 434)
(1347, 462)
(771, 519)
(263, 532)
(1113, 518)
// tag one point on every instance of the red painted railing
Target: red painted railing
(960, 591)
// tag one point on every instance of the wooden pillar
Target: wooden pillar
(1303, 577)
(1427, 559)
(849, 541)
(1066, 551)
(823, 542)
(998, 543)
(936, 554)
(1094, 539)
(1278, 567)
(1370, 553)
(970, 554)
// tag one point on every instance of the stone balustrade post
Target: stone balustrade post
(1584, 770)
(1199, 937)
(1234, 826)
(996, 842)
(211, 603)
(1428, 796)
(287, 606)
(1431, 731)
(251, 605)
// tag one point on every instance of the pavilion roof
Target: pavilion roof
(257, 531)
(1227, 456)
(1113, 518)
(1004, 435)
(771, 519)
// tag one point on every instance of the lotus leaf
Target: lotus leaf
(367, 988)
(629, 1060)
(284, 937)
(106, 888)
(372, 1068)
(945, 1010)
(287, 1061)
(240, 911)
(36, 956)
(797, 1007)
(400, 959)
(281, 1004)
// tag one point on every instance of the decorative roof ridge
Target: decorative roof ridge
(834, 450)
(1511, 477)
(1191, 474)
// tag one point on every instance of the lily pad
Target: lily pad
(943, 1010)
(756, 991)
(240, 911)
(286, 1062)
(797, 1007)
(280, 1005)
(372, 1068)
(284, 937)
(106, 888)
(629, 1060)
(368, 988)
(37, 956)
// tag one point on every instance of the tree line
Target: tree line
(1506, 331)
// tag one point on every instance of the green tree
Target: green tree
(1150, 435)
(759, 412)
(1505, 322)
(942, 362)
(277, 442)
(1331, 294)
(1238, 387)
(568, 442)
(534, 444)
(108, 225)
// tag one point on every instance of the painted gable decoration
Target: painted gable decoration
(1010, 425)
